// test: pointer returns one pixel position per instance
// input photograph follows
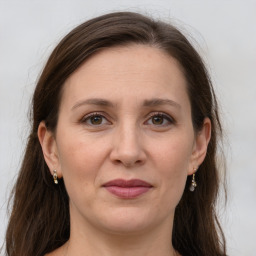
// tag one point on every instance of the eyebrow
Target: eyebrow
(147, 103)
(93, 101)
(159, 102)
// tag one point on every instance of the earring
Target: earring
(55, 177)
(193, 182)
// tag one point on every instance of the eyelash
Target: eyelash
(94, 114)
(165, 117)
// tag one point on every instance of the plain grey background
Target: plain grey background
(226, 34)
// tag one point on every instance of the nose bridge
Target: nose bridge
(128, 146)
(128, 136)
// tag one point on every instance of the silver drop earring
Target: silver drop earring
(193, 182)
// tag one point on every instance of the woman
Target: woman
(121, 159)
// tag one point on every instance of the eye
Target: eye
(95, 119)
(160, 119)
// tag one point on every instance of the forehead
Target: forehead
(134, 70)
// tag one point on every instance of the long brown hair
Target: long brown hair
(39, 222)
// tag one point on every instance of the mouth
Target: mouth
(127, 189)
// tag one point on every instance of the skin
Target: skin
(125, 139)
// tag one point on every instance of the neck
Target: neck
(90, 241)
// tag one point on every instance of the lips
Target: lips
(127, 189)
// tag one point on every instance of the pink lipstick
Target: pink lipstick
(127, 189)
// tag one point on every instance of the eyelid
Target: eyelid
(169, 118)
(87, 116)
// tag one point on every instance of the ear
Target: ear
(49, 148)
(200, 146)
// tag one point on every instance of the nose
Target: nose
(128, 147)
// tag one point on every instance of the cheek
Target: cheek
(78, 151)
(80, 163)
(172, 161)
(80, 159)
(174, 154)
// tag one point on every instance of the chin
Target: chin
(128, 221)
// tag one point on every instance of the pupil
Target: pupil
(157, 120)
(96, 120)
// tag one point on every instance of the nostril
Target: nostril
(131, 163)
(118, 161)
(128, 153)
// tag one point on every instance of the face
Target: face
(124, 142)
